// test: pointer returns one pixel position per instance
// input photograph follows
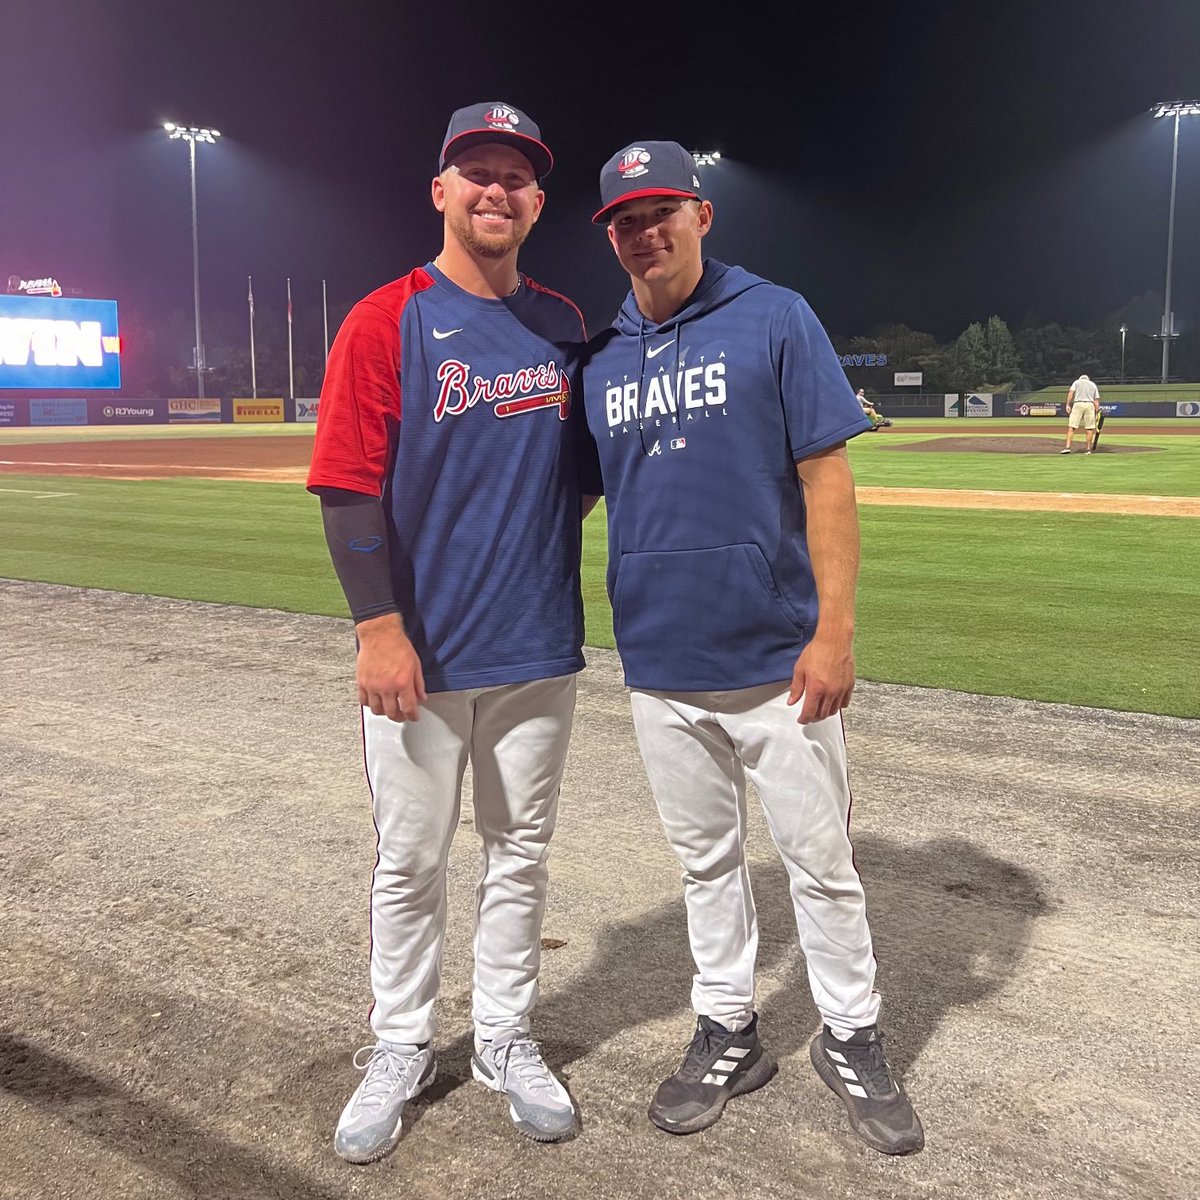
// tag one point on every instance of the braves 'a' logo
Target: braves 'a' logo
(526, 390)
(501, 117)
(633, 163)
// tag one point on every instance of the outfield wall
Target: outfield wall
(186, 410)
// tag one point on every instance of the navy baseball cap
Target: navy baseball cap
(478, 124)
(647, 169)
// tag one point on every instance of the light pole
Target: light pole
(1176, 109)
(193, 134)
(1124, 331)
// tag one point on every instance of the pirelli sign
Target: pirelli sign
(257, 412)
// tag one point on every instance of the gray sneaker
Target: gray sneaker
(539, 1105)
(369, 1126)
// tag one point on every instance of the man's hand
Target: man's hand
(390, 681)
(824, 676)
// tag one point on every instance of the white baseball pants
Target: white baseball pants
(699, 748)
(516, 739)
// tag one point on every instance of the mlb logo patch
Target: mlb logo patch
(678, 443)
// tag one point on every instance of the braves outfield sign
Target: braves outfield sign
(68, 345)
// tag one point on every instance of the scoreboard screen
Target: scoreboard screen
(53, 342)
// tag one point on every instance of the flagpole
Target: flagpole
(325, 314)
(291, 376)
(253, 371)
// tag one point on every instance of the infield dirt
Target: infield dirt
(186, 848)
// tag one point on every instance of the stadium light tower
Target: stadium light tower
(706, 158)
(193, 134)
(1124, 331)
(1176, 109)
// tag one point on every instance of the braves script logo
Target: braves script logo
(633, 163)
(502, 117)
(526, 390)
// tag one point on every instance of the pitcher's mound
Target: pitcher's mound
(1011, 445)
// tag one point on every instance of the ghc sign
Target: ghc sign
(62, 344)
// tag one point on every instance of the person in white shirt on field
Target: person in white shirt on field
(1083, 410)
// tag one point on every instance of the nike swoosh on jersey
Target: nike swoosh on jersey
(658, 349)
(437, 333)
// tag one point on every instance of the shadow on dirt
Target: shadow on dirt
(959, 936)
(144, 1130)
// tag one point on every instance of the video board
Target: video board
(59, 343)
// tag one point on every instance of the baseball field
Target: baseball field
(187, 845)
(991, 564)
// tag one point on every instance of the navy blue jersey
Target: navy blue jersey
(699, 423)
(458, 411)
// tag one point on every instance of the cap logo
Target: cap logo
(501, 117)
(633, 163)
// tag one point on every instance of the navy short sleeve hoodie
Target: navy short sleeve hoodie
(699, 423)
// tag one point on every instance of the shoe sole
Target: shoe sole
(524, 1127)
(394, 1138)
(833, 1081)
(757, 1076)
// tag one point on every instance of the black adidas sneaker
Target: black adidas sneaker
(717, 1065)
(880, 1113)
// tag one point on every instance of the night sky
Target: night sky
(927, 164)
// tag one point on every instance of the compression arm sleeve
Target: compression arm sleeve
(356, 533)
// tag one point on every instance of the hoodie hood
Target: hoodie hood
(718, 286)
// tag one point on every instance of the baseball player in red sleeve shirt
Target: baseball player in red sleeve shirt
(448, 459)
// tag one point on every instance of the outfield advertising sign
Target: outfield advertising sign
(126, 412)
(58, 412)
(306, 411)
(47, 342)
(1035, 409)
(13, 412)
(189, 411)
(257, 412)
(978, 404)
(1187, 408)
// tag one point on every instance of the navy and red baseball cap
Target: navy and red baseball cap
(647, 169)
(478, 124)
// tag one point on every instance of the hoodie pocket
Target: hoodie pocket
(717, 610)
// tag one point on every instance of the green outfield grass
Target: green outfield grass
(1069, 607)
(196, 539)
(1172, 468)
(975, 601)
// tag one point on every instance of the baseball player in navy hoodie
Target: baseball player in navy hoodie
(721, 414)
(445, 459)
